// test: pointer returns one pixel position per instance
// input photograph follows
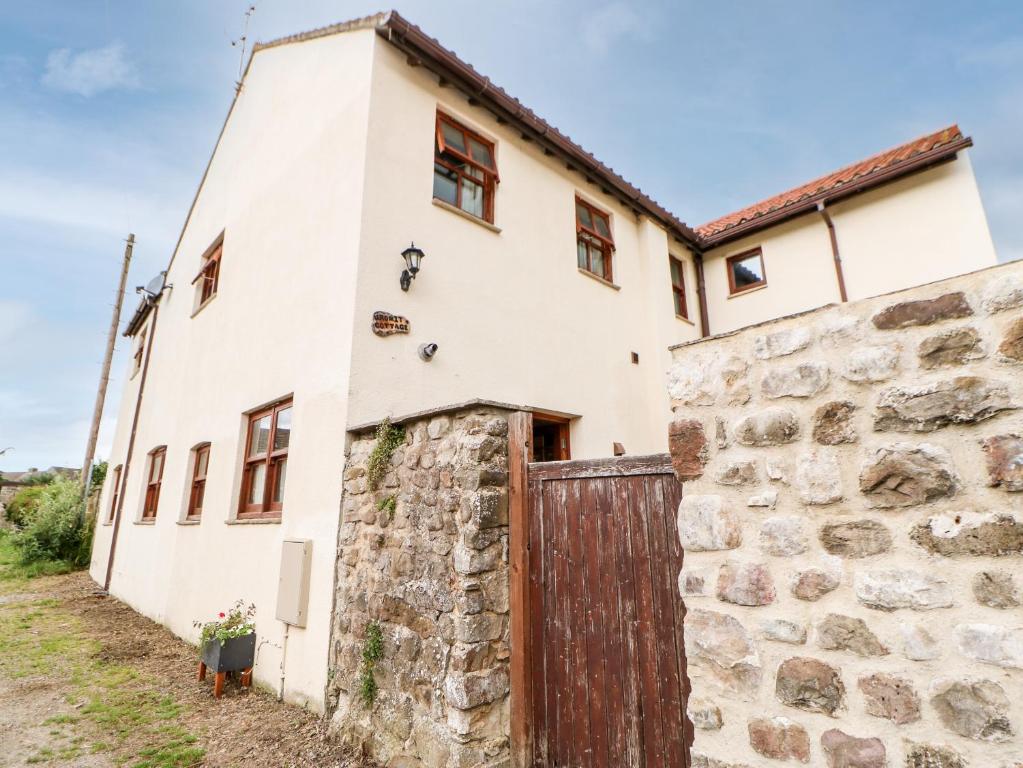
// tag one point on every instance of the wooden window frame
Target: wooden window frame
(490, 175)
(564, 447)
(151, 501)
(197, 486)
(732, 289)
(115, 493)
(589, 234)
(208, 278)
(140, 352)
(678, 290)
(267, 508)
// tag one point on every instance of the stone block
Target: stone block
(990, 644)
(832, 423)
(952, 347)
(818, 478)
(812, 584)
(905, 475)
(465, 691)
(783, 536)
(704, 715)
(687, 445)
(927, 407)
(997, 589)
(976, 709)
(868, 365)
(890, 697)
(810, 685)
(847, 633)
(738, 473)
(855, 539)
(779, 739)
(778, 469)
(804, 380)
(781, 343)
(918, 644)
(931, 756)
(705, 523)
(895, 588)
(1011, 347)
(990, 534)
(771, 426)
(905, 314)
(1004, 455)
(1002, 293)
(844, 751)
(717, 645)
(767, 498)
(745, 584)
(783, 631)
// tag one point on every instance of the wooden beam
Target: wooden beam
(520, 434)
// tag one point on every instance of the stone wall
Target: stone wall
(434, 574)
(853, 528)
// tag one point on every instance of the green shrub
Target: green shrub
(58, 528)
(43, 478)
(99, 476)
(24, 504)
(389, 437)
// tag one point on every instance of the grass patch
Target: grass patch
(14, 573)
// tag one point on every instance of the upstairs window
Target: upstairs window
(464, 170)
(266, 461)
(115, 493)
(594, 242)
(154, 479)
(140, 352)
(208, 279)
(678, 286)
(746, 271)
(200, 465)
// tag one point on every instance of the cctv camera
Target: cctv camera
(427, 351)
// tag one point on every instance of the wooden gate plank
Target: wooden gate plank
(565, 731)
(590, 573)
(539, 563)
(632, 701)
(581, 742)
(610, 587)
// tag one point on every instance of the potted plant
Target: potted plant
(228, 645)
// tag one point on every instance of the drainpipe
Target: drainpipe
(131, 448)
(834, 249)
(701, 295)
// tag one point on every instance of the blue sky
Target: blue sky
(109, 110)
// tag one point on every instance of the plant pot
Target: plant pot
(233, 655)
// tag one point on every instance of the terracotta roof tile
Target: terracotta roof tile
(857, 172)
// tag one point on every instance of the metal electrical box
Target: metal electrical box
(293, 588)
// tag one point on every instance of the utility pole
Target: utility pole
(104, 378)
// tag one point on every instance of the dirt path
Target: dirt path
(87, 682)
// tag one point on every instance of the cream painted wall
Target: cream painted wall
(286, 185)
(514, 318)
(922, 228)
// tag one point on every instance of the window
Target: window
(594, 242)
(208, 278)
(140, 351)
(200, 465)
(266, 461)
(153, 481)
(678, 286)
(115, 492)
(464, 171)
(746, 271)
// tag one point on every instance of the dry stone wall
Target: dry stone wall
(853, 529)
(432, 572)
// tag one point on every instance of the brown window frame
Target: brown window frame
(151, 503)
(732, 289)
(140, 352)
(197, 488)
(490, 175)
(270, 460)
(115, 492)
(678, 290)
(209, 273)
(593, 239)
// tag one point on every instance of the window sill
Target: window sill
(203, 306)
(598, 278)
(145, 522)
(685, 319)
(475, 219)
(737, 294)
(254, 521)
(188, 521)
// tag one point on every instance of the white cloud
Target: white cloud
(611, 23)
(90, 72)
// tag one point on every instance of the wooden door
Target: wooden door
(607, 677)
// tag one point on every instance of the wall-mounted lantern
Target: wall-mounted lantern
(413, 259)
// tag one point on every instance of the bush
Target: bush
(24, 504)
(57, 529)
(99, 475)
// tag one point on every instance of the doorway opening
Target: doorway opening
(550, 439)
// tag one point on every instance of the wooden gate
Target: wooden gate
(606, 670)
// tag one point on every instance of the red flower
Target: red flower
(221, 614)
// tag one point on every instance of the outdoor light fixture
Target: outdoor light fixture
(413, 258)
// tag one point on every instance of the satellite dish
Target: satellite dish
(154, 287)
